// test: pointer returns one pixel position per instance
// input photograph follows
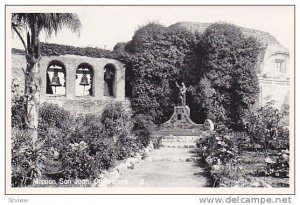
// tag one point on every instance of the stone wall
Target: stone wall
(275, 79)
(274, 85)
(76, 104)
(276, 90)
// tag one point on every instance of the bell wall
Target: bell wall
(75, 104)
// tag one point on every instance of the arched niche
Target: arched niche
(84, 80)
(109, 80)
(56, 78)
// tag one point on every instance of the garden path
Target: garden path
(168, 166)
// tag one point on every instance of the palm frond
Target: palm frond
(53, 22)
(49, 22)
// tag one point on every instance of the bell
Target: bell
(107, 76)
(55, 80)
(84, 80)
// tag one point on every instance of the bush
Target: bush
(18, 113)
(81, 147)
(218, 148)
(280, 166)
(52, 115)
(116, 121)
(27, 158)
(17, 107)
(55, 124)
(127, 147)
(267, 129)
(76, 162)
(141, 126)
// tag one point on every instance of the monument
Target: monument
(180, 122)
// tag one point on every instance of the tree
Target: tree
(158, 60)
(33, 24)
(229, 64)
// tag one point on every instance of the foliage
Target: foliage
(76, 161)
(52, 115)
(116, 121)
(126, 147)
(84, 145)
(220, 152)
(229, 86)
(141, 126)
(17, 107)
(28, 157)
(17, 113)
(218, 67)
(266, 127)
(219, 148)
(158, 54)
(226, 151)
(157, 142)
(52, 49)
(280, 166)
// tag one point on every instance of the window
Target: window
(56, 78)
(280, 65)
(84, 80)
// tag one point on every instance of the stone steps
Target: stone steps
(178, 140)
(171, 141)
(172, 159)
(178, 145)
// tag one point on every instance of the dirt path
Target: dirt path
(166, 167)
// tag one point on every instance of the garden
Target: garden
(257, 156)
(249, 148)
(73, 148)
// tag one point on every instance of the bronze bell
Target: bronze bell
(55, 80)
(84, 80)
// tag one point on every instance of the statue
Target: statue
(183, 90)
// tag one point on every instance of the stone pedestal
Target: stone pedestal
(180, 124)
(181, 121)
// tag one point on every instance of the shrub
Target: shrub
(266, 128)
(141, 125)
(17, 107)
(27, 158)
(218, 148)
(76, 162)
(81, 147)
(52, 115)
(116, 121)
(55, 124)
(105, 158)
(18, 113)
(280, 166)
(127, 147)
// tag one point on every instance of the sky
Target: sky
(104, 26)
